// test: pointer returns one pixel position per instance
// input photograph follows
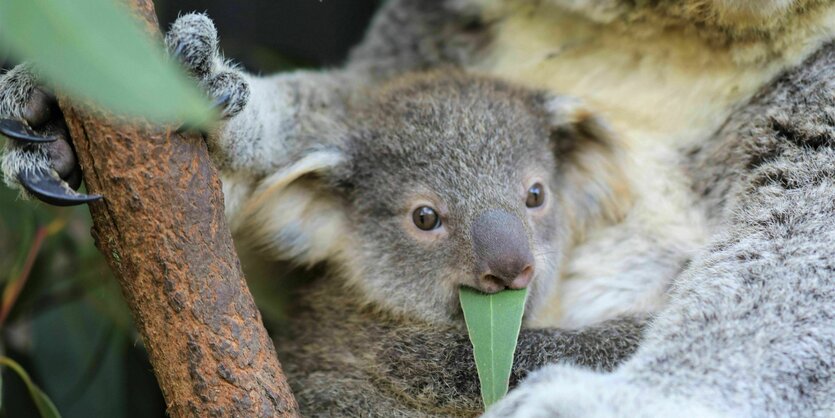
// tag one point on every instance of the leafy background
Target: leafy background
(69, 327)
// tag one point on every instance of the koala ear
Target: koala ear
(294, 214)
(591, 162)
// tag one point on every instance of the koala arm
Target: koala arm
(406, 367)
(287, 111)
(419, 358)
(749, 329)
(422, 371)
(290, 112)
(265, 118)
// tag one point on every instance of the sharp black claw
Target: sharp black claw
(221, 102)
(20, 131)
(218, 104)
(178, 51)
(50, 189)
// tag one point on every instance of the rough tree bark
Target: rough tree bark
(162, 229)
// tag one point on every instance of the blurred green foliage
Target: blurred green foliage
(95, 50)
(62, 320)
(68, 328)
(42, 402)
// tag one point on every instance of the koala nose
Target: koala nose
(502, 252)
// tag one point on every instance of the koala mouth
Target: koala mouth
(490, 283)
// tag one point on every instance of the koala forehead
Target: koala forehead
(468, 139)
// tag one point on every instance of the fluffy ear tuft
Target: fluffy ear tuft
(595, 187)
(294, 215)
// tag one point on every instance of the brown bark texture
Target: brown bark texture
(162, 229)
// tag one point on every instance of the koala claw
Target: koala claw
(222, 101)
(178, 52)
(20, 131)
(219, 105)
(49, 188)
(193, 41)
(38, 157)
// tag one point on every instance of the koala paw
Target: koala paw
(193, 41)
(38, 158)
(566, 391)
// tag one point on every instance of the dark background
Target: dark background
(69, 328)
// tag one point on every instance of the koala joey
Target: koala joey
(250, 161)
(407, 191)
(429, 182)
(433, 181)
(725, 111)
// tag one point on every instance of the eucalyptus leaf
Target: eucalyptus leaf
(95, 50)
(493, 323)
(45, 406)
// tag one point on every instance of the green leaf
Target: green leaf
(42, 402)
(95, 50)
(493, 322)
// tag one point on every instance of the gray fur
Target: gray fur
(419, 35)
(499, 131)
(16, 87)
(748, 328)
(22, 98)
(193, 40)
(362, 337)
(467, 146)
(288, 112)
(344, 358)
(749, 332)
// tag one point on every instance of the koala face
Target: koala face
(441, 181)
(450, 184)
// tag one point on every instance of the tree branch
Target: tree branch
(161, 227)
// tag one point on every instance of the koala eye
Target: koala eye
(426, 218)
(536, 196)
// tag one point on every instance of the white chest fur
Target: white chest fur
(660, 92)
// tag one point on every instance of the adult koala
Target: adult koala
(727, 112)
